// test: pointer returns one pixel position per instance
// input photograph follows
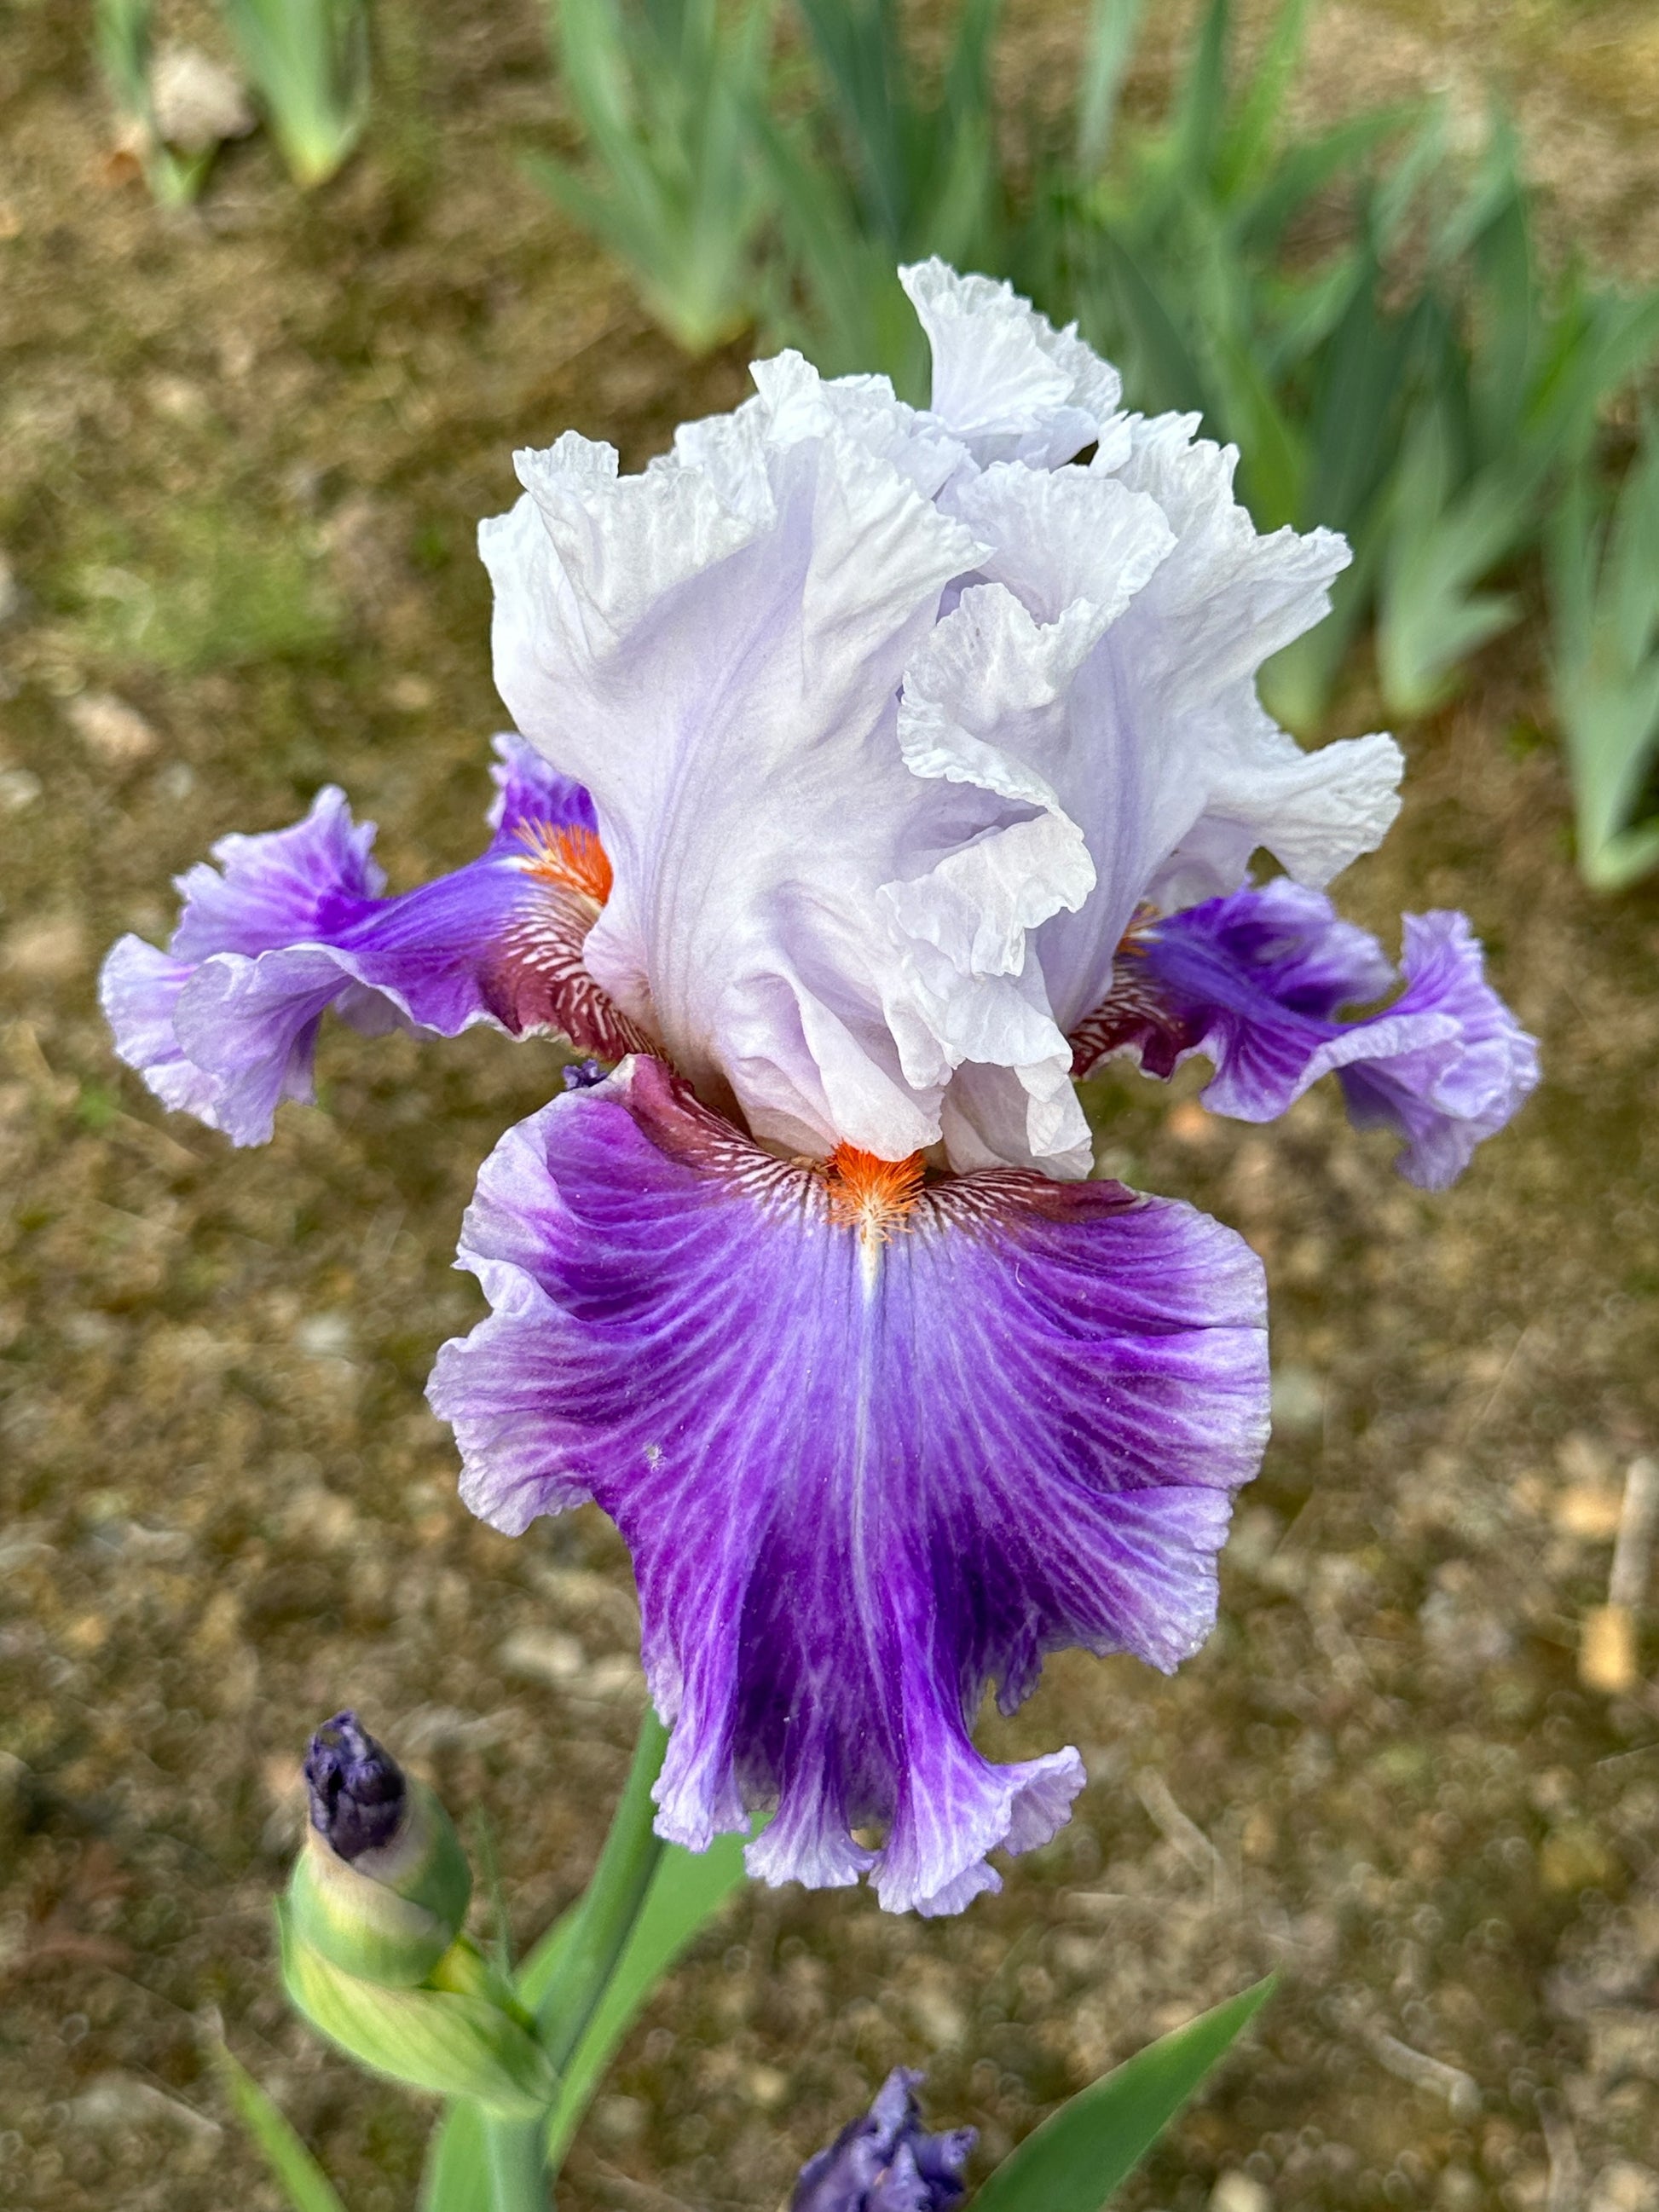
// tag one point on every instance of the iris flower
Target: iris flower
(881, 770)
(885, 2161)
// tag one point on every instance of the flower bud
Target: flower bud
(372, 1954)
(436, 2040)
(382, 1884)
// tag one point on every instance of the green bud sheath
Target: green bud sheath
(450, 2045)
(382, 1886)
(465, 1970)
(360, 1927)
(423, 1861)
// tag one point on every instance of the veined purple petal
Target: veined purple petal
(1444, 1094)
(224, 1023)
(884, 2162)
(874, 1443)
(1257, 982)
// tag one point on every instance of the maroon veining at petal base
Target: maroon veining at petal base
(223, 1024)
(534, 978)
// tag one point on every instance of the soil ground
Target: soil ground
(244, 452)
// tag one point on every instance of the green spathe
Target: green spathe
(450, 2043)
(388, 1916)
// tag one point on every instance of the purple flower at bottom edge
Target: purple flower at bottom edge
(223, 1022)
(884, 2161)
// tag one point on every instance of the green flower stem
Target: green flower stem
(517, 2149)
(611, 1904)
(517, 2164)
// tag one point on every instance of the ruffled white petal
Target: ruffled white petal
(718, 660)
(983, 699)
(801, 403)
(1164, 756)
(1227, 597)
(1314, 813)
(1005, 381)
(891, 721)
(1059, 537)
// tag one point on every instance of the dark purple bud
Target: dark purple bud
(882, 2161)
(356, 1787)
(581, 1074)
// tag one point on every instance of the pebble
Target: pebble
(1239, 2192)
(111, 731)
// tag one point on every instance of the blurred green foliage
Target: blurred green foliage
(203, 587)
(123, 32)
(1361, 311)
(669, 93)
(1360, 307)
(308, 60)
(884, 169)
(1604, 579)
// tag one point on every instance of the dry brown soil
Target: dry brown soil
(244, 451)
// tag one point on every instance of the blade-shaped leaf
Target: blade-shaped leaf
(1352, 435)
(1074, 2160)
(1443, 538)
(1274, 456)
(307, 2187)
(857, 44)
(1624, 859)
(1251, 132)
(1304, 170)
(1201, 101)
(686, 1891)
(309, 60)
(1604, 607)
(1111, 42)
(456, 2175)
(1170, 377)
(669, 99)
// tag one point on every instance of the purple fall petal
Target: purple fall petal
(882, 2161)
(1256, 982)
(1444, 1095)
(872, 1445)
(223, 1025)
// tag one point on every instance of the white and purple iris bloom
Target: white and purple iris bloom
(881, 770)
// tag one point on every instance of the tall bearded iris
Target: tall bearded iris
(881, 771)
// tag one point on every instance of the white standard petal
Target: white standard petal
(1060, 537)
(799, 404)
(1227, 599)
(718, 662)
(1005, 381)
(1314, 811)
(984, 700)
(1163, 754)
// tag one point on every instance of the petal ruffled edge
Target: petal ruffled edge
(1005, 381)
(291, 922)
(1257, 983)
(684, 1329)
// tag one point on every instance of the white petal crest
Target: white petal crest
(725, 686)
(1005, 381)
(890, 721)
